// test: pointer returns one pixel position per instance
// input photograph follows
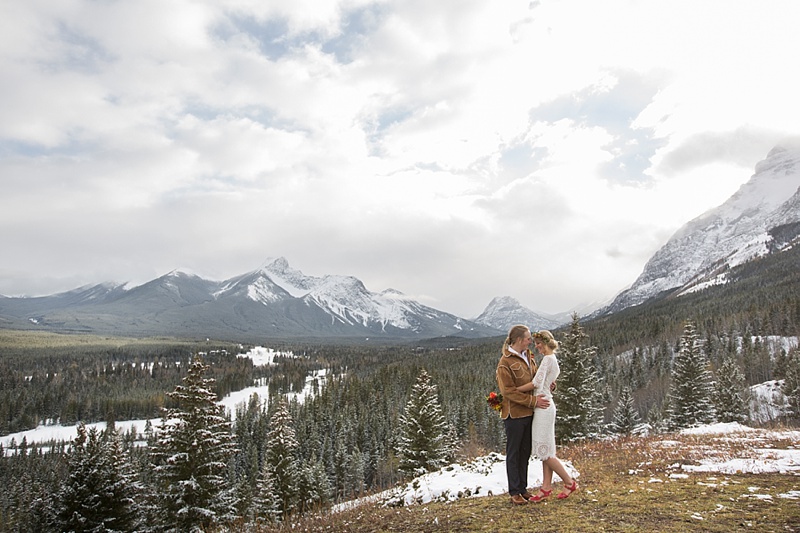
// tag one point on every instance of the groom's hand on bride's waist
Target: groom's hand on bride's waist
(542, 402)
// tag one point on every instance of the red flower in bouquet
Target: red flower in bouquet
(495, 400)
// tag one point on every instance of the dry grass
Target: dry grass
(626, 486)
(12, 338)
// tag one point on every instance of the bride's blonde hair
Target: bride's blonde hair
(546, 338)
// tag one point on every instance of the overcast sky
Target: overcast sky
(452, 150)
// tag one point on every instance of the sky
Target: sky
(453, 150)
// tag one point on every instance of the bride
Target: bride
(544, 420)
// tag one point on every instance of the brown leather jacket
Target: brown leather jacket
(512, 372)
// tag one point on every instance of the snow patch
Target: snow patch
(483, 476)
(45, 433)
(486, 476)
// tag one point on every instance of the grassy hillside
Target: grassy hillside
(629, 485)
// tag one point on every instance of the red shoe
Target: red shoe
(543, 494)
(571, 489)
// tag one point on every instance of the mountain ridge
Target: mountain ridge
(740, 230)
(274, 300)
(503, 312)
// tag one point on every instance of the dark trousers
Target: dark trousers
(518, 452)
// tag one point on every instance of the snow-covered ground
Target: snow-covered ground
(767, 402)
(761, 460)
(56, 432)
(483, 476)
(486, 475)
(265, 356)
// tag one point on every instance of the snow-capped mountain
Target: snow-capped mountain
(273, 301)
(762, 217)
(504, 312)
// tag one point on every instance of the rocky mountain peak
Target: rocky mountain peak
(735, 232)
(279, 265)
(503, 312)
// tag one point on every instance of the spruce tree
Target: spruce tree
(315, 489)
(191, 454)
(250, 434)
(423, 442)
(348, 462)
(692, 387)
(657, 419)
(353, 468)
(99, 495)
(731, 400)
(577, 396)
(781, 360)
(791, 385)
(281, 456)
(266, 507)
(123, 489)
(626, 418)
(636, 370)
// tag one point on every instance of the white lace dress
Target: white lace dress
(544, 420)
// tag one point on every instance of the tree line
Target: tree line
(97, 383)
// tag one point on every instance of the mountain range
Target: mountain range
(274, 301)
(279, 302)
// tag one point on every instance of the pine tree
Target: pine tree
(348, 463)
(99, 495)
(626, 418)
(281, 457)
(791, 385)
(731, 401)
(781, 360)
(663, 360)
(123, 489)
(266, 506)
(354, 470)
(315, 489)
(423, 442)
(656, 418)
(250, 434)
(692, 387)
(636, 369)
(191, 454)
(577, 396)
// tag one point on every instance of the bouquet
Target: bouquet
(495, 400)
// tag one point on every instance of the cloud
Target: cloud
(613, 103)
(428, 147)
(739, 147)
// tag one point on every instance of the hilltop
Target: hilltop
(716, 478)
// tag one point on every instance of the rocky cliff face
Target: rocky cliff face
(760, 218)
(504, 312)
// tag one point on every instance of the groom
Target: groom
(515, 368)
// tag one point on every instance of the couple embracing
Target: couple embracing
(529, 414)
